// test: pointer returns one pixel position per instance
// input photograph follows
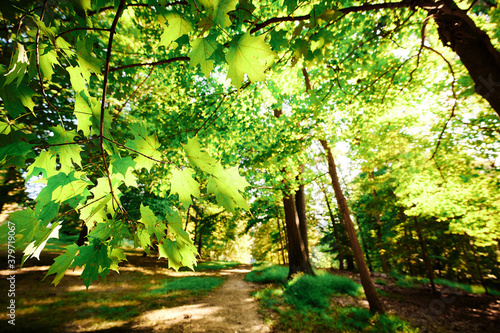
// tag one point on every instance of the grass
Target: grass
(267, 273)
(405, 281)
(114, 303)
(195, 284)
(303, 304)
(215, 265)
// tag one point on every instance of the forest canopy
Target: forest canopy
(183, 124)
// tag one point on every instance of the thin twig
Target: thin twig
(135, 151)
(454, 97)
(112, 32)
(156, 63)
(40, 77)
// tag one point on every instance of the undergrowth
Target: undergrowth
(194, 284)
(303, 303)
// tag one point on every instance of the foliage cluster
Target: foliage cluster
(290, 318)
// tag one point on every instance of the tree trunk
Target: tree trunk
(300, 206)
(298, 260)
(478, 267)
(281, 238)
(364, 274)
(83, 235)
(408, 247)
(335, 231)
(365, 249)
(381, 250)
(425, 255)
(458, 31)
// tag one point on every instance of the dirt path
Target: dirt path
(228, 309)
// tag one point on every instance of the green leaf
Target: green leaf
(226, 184)
(146, 145)
(48, 59)
(198, 158)
(202, 49)
(152, 223)
(5, 128)
(249, 55)
(94, 257)
(62, 263)
(176, 27)
(78, 78)
(18, 66)
(35, 247)
(175, 227)
(45, 163)
(218, 9)
(84, 46)
(11, 152)
(84, 112)
(122, 168)
(64, 188)
(185, 186)
(65, 147)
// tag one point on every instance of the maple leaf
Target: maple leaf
(218, 9)
(45, 163)
(35, 247)
(152, 223)
(65, 147)
(185, 186)
(94, 257)
(202, 49)
(78, 78)
(226, 184)
(177, 27)
(62, 263)
(175, 227)
(198, 158)
(20, 63)
(249, 55)
(146, 145)
(121, 169)
(168, 249)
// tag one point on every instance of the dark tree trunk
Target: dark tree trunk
(335, 231)
(365, 249)
(458, 31)
(281, 238)
(300, 205)
(83, 235)
(478, 267)
(380, 246)
(370, 292)
(425, 255)
(298, 260)
(409, 256)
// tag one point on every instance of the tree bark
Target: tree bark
(298, 260)
(370, 292)
(300, 205)
(459, 32)
(478, 267)
(381, 250)
(281, 238)
(425, 255)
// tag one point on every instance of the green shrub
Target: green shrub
(314, 291)
(267, 273)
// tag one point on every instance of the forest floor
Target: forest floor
(451, 310)
(130, 302)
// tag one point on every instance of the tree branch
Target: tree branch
(354, 9)
(156, 63)
(112, 32)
